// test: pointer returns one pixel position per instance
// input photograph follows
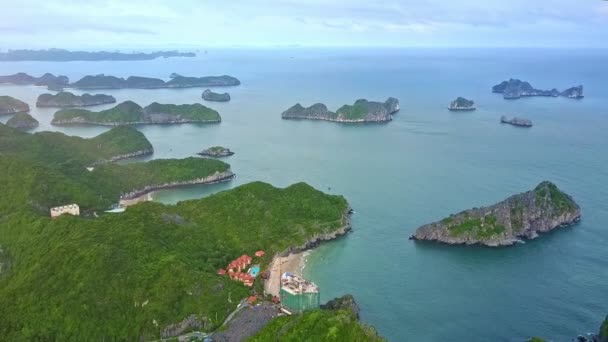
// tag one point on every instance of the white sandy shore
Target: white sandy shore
(293, 263)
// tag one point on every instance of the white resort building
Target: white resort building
(71, 209)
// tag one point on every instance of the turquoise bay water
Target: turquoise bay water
(422, 166)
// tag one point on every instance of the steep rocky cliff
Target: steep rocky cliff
(518, 217)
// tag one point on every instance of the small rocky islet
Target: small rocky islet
(22, 121)
(216, 152)
(516, 121)
(208, 95)
(462, 104)
(360, 112)
(67, 100)
(130, 113)
(10, 105)
(515, 89)
(521, 216)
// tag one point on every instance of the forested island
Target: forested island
(462, 104)
(208, 95)
(361, 111)
(49, 80)
(112, 82)
(22, 121)
(10, 105)
(130, 113)
(518, 217)
(515, 89)
(155, 264)
(66, 99)
(61, 55)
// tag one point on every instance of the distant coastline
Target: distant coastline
(61, 55)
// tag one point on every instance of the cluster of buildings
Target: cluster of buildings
(236, 269)
(298, 294)
(70, 209)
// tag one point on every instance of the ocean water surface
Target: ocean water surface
(425, 164)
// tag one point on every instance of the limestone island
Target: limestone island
(66, 99)
(137, 82)
(22, 121)
(515, 89)
(515, 121)
(216, 151)
(208, 95)
(361, 111)
(10, 105)
(130, 113)
(518, 217)
(462, 104)
(48, 80)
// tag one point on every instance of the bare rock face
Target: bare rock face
(518, 217)
(189, 323)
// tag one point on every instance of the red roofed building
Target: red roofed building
(260, 253)
(221, 271)
(252, 299)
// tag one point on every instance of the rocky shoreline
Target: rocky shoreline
(295, 255)
(140, 195)
(517, 218)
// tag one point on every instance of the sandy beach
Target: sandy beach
(293, 263)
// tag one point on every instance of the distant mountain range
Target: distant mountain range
(60, 55)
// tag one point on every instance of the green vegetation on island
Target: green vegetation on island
(10, 105)
(112, 82)
(318, 325)
(66, 99)
(462, 104)
(22, 121)
(361, 111)
(518, 217)
(53, 147)
(129, 113)
(131, 275)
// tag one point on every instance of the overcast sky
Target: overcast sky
(208, 23)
